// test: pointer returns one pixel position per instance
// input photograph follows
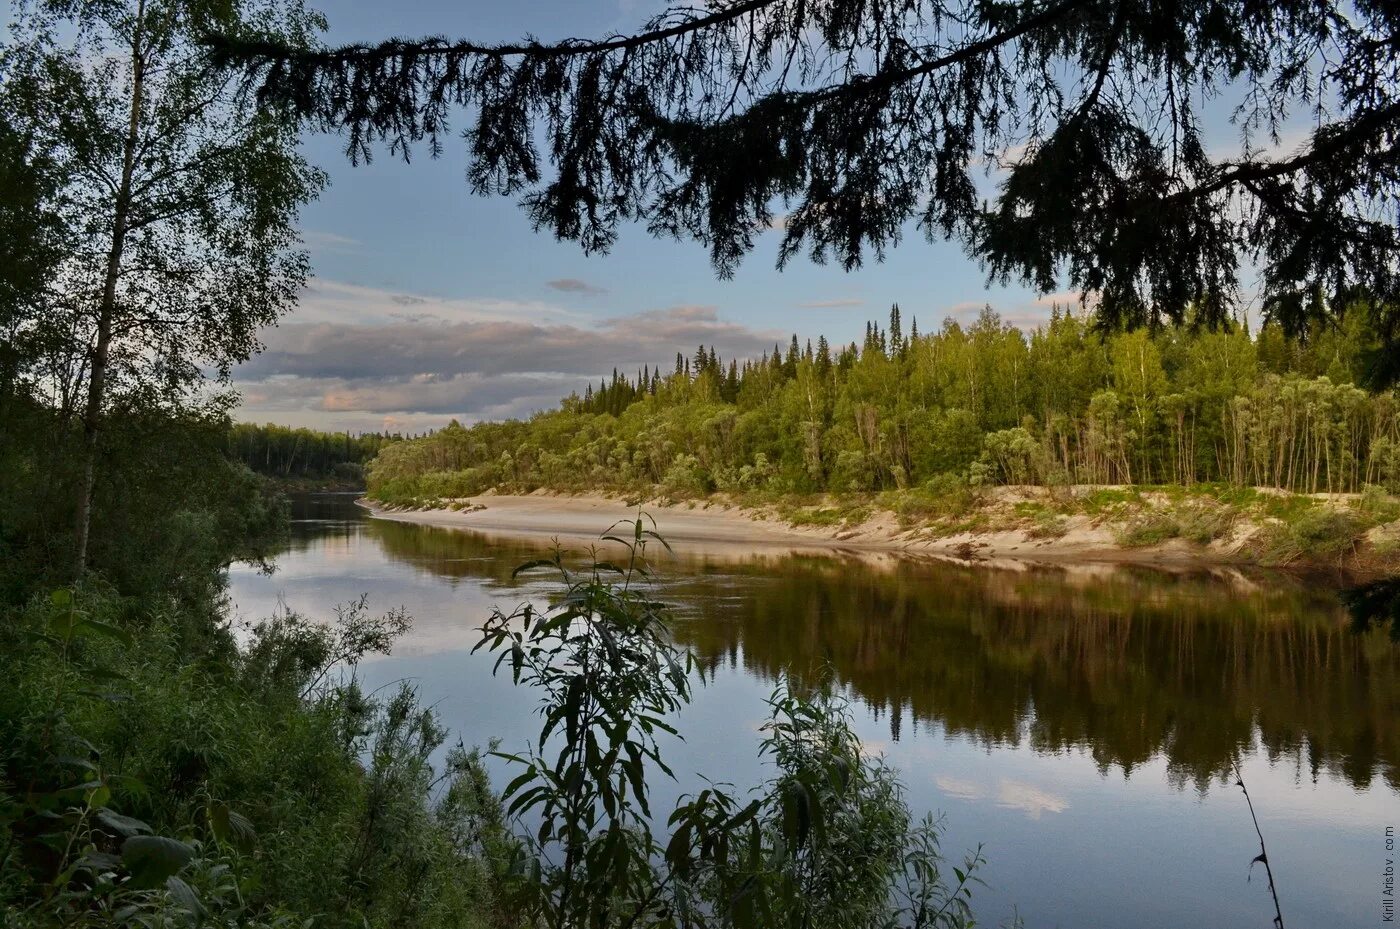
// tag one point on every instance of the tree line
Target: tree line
(291, 452)
(985, 403)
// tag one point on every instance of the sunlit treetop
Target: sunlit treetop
(1059, 142)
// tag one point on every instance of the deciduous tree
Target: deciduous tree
(178, 203)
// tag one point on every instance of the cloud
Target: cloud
(1067, 298)
(572, 285)
(350, 357)
(323, 300)
(329, 241)
(1029, 799)
(832, 304)
(1013, 795)
(1027, 315)
(415, 347)
(960, 789)
(966, 308)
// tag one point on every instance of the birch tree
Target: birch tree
(178, 202)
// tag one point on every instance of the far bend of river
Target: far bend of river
(1078, 721)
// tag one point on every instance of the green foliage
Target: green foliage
(827, 842)
(984, 404)
(171, 510)
(860, 120)
(305, 454)
(1321, 532)
(149, 779)
(29, 242)
(175, 206)
(825, 516)
(1045, 523)
(1150, 528)
(1204, 523)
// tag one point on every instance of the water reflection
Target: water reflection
(1130, 664)
(1072, 718)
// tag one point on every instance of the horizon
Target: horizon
(428, 303)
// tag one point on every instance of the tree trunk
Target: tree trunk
(106, 310)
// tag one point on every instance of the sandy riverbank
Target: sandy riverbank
(701, 529)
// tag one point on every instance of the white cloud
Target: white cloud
(336, 302)
(1009, 794)
(961, 789)
(356, 357)
(329, 241)
(572, 285)
(1029, 799)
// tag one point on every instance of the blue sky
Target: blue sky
(431, 303)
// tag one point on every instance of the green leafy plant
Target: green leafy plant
(82, 860)
(827, 842)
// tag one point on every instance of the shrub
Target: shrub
(943, 496)
(1046, 524)
(1376, 505)
(1326, 532)
(1150, 528)
(825, 516)
(266, 788)
(1203, 523)
(828, 841)
(1317, 532)
(685, 478)
(1013, 456)
(853, 472)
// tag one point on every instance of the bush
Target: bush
(1203, 523)
(274, 790)
(943, 496)
(853, 472)
(685, 478)
(1315, 532)
(1046, 524)
(1326, 532)
(1151, 528)
(827, 842)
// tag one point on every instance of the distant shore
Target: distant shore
(706, 527)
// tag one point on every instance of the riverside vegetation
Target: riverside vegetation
(305, 458)
(1219, 438)
(160, 767)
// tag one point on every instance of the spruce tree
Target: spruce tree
(858, 120)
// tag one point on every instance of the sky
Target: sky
(429, 303)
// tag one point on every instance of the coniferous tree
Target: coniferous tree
(856, 119)
(823, 359)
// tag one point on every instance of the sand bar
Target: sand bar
(720, 529)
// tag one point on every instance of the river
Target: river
(1077, 721)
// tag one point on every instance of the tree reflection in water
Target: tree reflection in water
(1129, 663)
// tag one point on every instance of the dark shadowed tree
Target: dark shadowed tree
(1057, 140)
(178, 205)
(29, 248)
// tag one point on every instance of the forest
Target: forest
(306, 456)
(167, 763)
(985, 403)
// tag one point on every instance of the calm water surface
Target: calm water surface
(1078, 722)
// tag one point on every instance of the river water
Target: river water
(1077, 721)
